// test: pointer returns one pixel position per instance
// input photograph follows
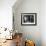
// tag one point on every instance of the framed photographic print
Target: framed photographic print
(28, 18)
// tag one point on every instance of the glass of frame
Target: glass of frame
(28, 18)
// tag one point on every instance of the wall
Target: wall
(43, 22)
(6, 17)
(6, 13)
(29, 32)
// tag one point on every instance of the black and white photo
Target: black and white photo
(28, 18)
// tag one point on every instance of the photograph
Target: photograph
(28, 18)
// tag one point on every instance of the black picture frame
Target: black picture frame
(29, 19)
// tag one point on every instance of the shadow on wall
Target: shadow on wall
(27, 6)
